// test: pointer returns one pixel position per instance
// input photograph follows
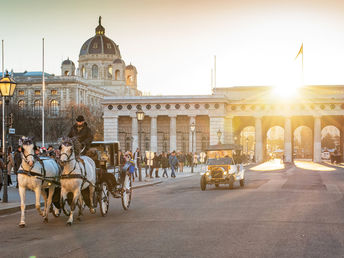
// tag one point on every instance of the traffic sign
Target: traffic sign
(11, 130)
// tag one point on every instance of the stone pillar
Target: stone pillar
(110, 128)
(288, 152)
(154, 134)
(317, 139)
(134, 134)
(229, 135)
(259, 140)
(216, 123)
(192, 148)
(173, 133)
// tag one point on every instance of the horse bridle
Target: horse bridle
(68, 156)
(26, 160)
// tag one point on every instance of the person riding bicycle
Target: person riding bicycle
(82, 132)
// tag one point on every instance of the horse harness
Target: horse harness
(83, 174)
(42, 176)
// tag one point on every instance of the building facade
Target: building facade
(101, 72)
(166, 126)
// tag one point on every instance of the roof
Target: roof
(28, 74)
(219, 147)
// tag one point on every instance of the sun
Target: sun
(285, 91)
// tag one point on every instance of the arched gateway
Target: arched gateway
(223, 116)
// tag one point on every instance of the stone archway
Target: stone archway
(247, 140)
(275, 142)
(302, 137)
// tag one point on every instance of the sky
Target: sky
(172, 43)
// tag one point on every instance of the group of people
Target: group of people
(176, 161)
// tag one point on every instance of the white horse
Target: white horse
(32, 174)
(76, 176)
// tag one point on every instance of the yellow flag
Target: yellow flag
(300, 52)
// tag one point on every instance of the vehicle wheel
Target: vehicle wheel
(126, 192)
(231, 182)
(104, 199)
(242, 182)
(53, 211)
(217, 185)
(203, 183)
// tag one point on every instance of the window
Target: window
(53, 92)
(117, 75)
(130, 79)
(21, 104)
(109, 72)
(83, 72)
(21, 93)
(108, 45)
(37, 106)
(37, 92)
(54, 107)
(95, 45)
(94, 72)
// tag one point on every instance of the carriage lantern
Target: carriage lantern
(7, 87)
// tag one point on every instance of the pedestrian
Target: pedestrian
(173, 161)
(138, 163)
(164, 164)
(181, 160)
(10, 164)
(128, 166)
(17, 162)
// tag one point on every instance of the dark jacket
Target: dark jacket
(164, 162)
(84, 136)
(156, 161)
(17, 161)
(173, 161)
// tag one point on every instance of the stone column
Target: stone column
(216, 123)
(154, 134)
(288, 152)
(134, 134)
(110, 128)
(229, 138)
(317, 139)
(173, 133)
(192, 148)
(259, 140)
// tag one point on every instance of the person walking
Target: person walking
(10, 165)
(173, 161)
(138, 163)
(17, 162)
(181, 160)
(164, 164)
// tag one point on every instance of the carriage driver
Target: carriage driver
(82, 132)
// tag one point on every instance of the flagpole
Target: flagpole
(3, 99)
(215, 72)
(43, 93)
(303, 76)
(211, 80)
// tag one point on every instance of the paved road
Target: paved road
(293, 213)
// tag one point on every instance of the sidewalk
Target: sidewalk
(13, 204)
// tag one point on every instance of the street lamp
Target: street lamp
(140, 116)
(219, 134)
(192, 129)
(7, 87)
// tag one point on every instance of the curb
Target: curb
(33, 206)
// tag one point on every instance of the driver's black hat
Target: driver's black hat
(80, 119)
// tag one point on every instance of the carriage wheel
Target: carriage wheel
(66, 208)
(126, 192)
(52, 210)
(103, 198)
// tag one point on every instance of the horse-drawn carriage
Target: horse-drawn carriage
(83, 181)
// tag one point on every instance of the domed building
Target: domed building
(100, 61)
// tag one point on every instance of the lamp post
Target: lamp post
(7, 87)
(140, 116)
(219, 134)
(192, 128)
